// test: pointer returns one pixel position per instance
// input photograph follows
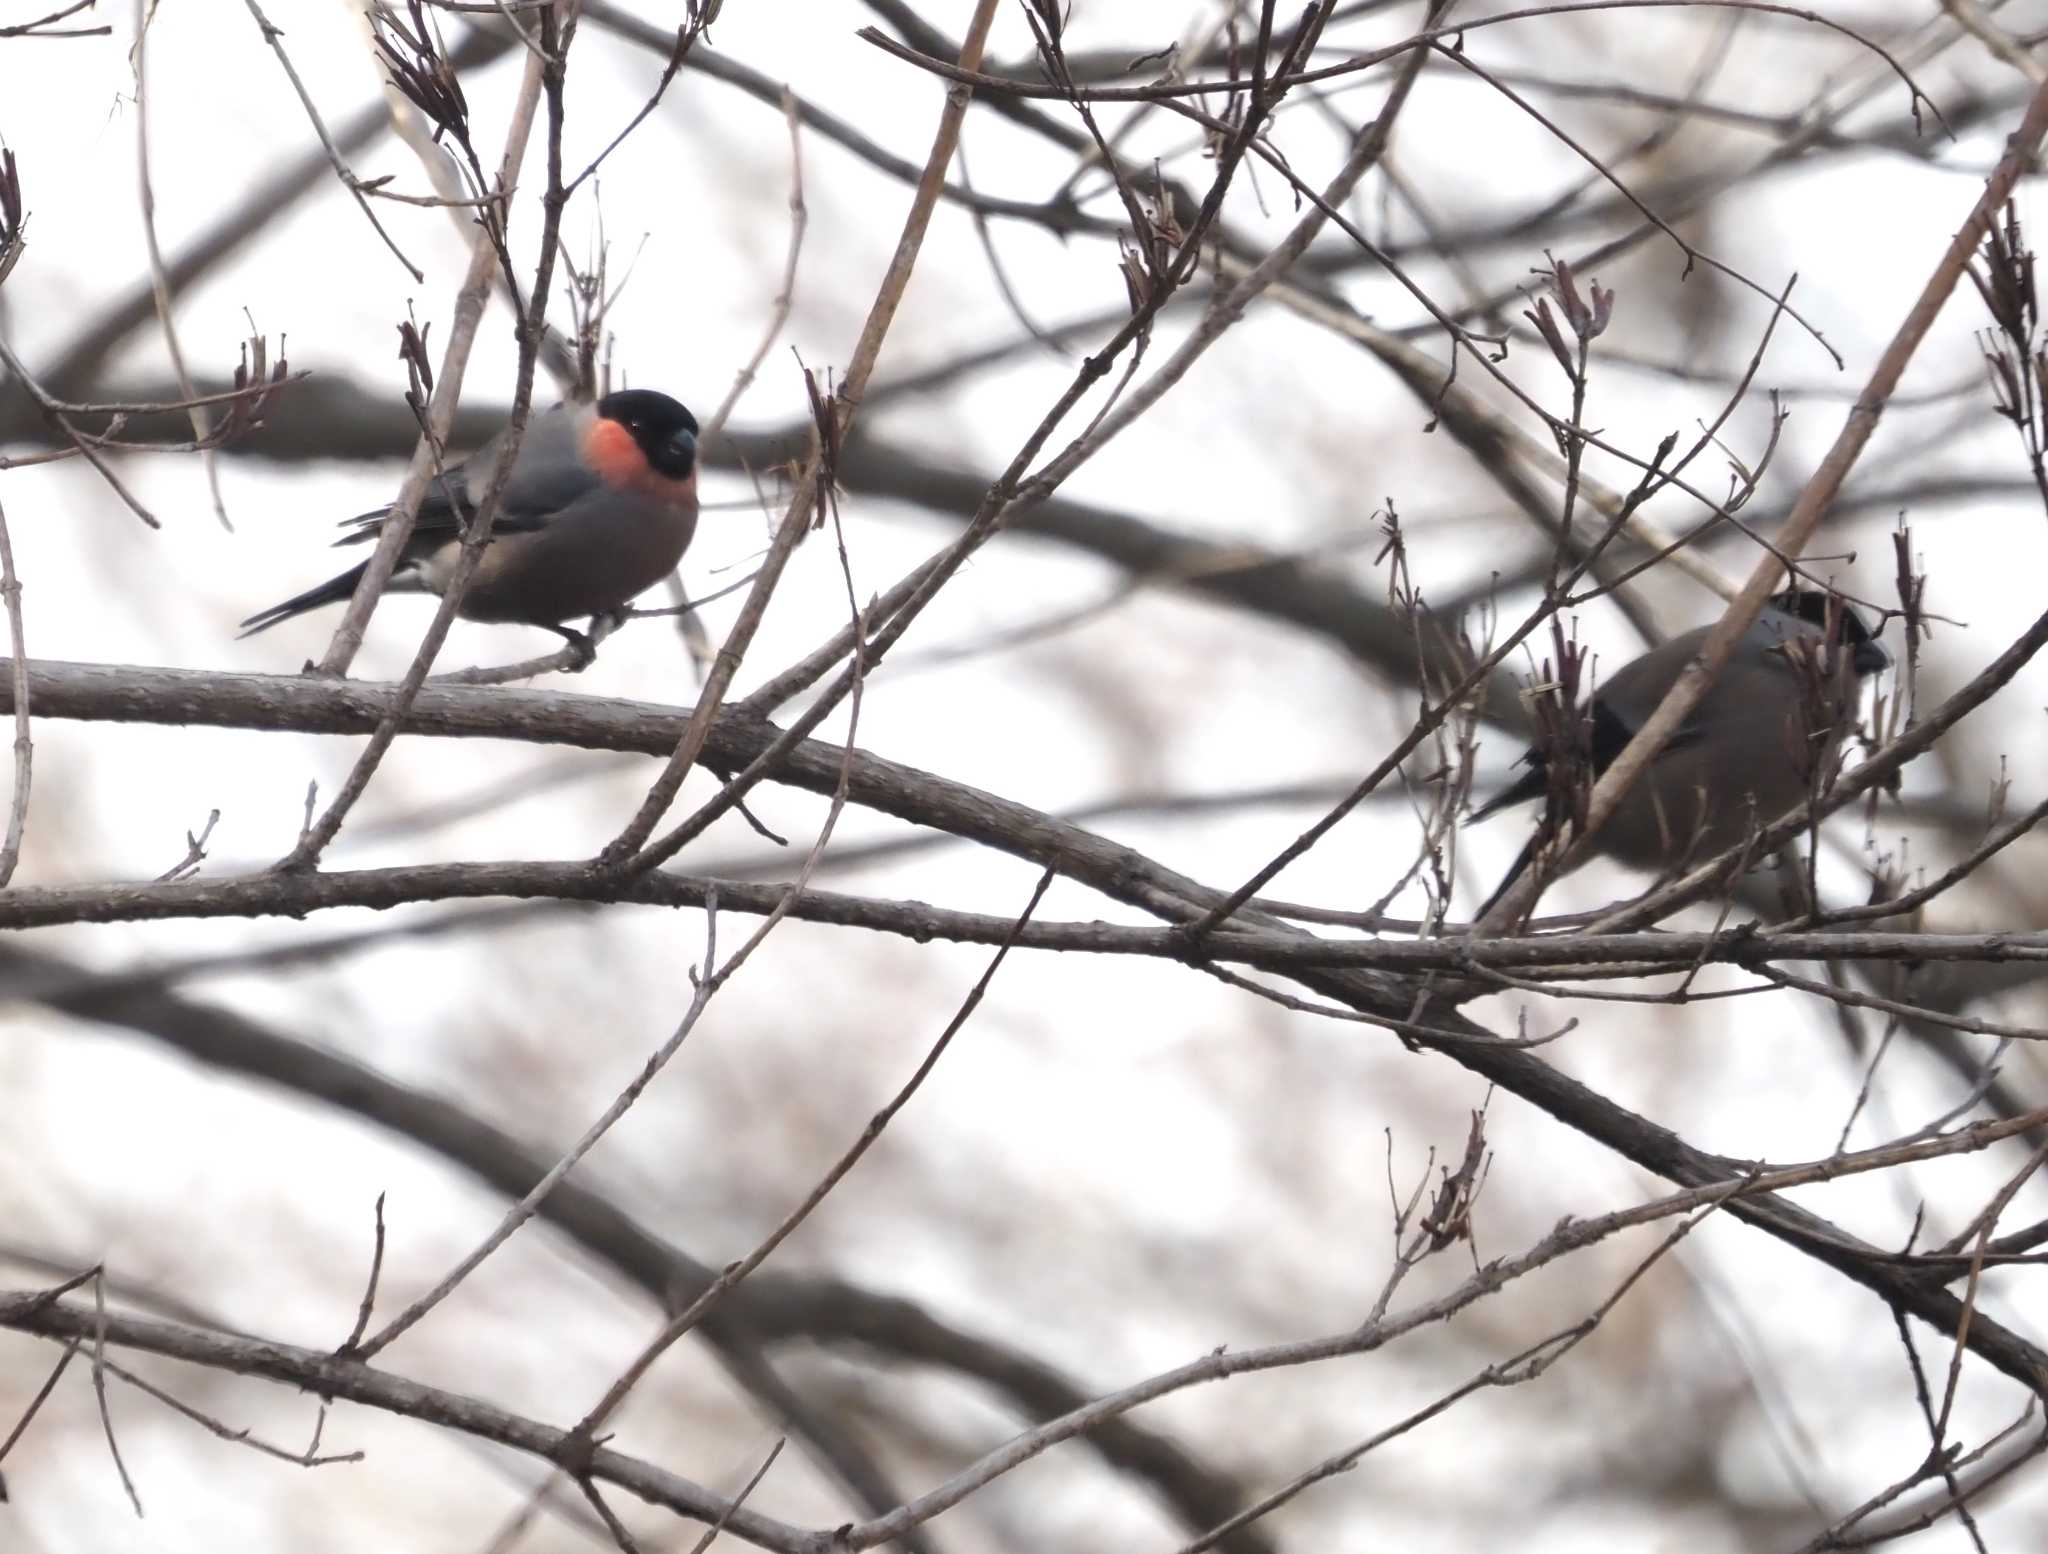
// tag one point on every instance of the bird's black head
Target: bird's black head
(665, 432)
(1816, 606)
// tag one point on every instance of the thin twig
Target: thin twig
(24, 744)
(844, 404)
(311, 1457)
(428, 454)
(273, 35)
(1977, 22)
(86, 450)
(1807, 512)
(706, 984)
(1223, 1363)
(99, 1387)
(711, 1533)
(159, 278)
(778, 310)
(41, 28)
(309, 1369)
(35, 1403)
(691, 1315)
(369, 1301)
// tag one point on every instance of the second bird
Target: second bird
(600, 506)
(1744, 756)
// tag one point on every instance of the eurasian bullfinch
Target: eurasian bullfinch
(600, 505)
(1744, 757)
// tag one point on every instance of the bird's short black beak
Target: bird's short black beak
(1868, 658)
(683, 449)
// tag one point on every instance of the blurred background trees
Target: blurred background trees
(1244, 389)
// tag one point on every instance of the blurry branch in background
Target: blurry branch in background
(430, 79)
(1806, 135)
(1183, 241)
(833, 415)
(773, 1309)
(697, 15)
(692, 1316)
(1800, 524)
(39, 1312)
(785, 295)
(328, 418)
(24, 744)
(706, 981)
(331, 418)
(357, 187)
(342, 1376)
(1383, 997)
(1160, 257)
(79, 366)
(249, 397)
(1977, 22)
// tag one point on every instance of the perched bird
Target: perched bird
(600, 505)
(1745, 755)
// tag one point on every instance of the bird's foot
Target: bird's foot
(583, 644)
(582, 649)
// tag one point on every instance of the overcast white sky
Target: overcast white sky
(1121, 1166)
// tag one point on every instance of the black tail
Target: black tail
(333, 591)
(1515, 871)
(1530, 785)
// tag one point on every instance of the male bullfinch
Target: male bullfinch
(600, 505)
(1746, 754)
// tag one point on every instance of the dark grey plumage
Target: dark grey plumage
(1746, 754)
(600, 505)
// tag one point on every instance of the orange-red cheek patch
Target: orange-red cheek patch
(616, 459)
(610, 451)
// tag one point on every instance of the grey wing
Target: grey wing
(1754, 671)
(1622, 703)
(548, 475)
(1633, 692)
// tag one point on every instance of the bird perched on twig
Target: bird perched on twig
(1772, 721)
(600, 504)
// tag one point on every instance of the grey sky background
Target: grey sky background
(1122, 1164)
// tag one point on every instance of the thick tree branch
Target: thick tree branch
(332, 1377)
(769, 1309)
(1120, 872)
